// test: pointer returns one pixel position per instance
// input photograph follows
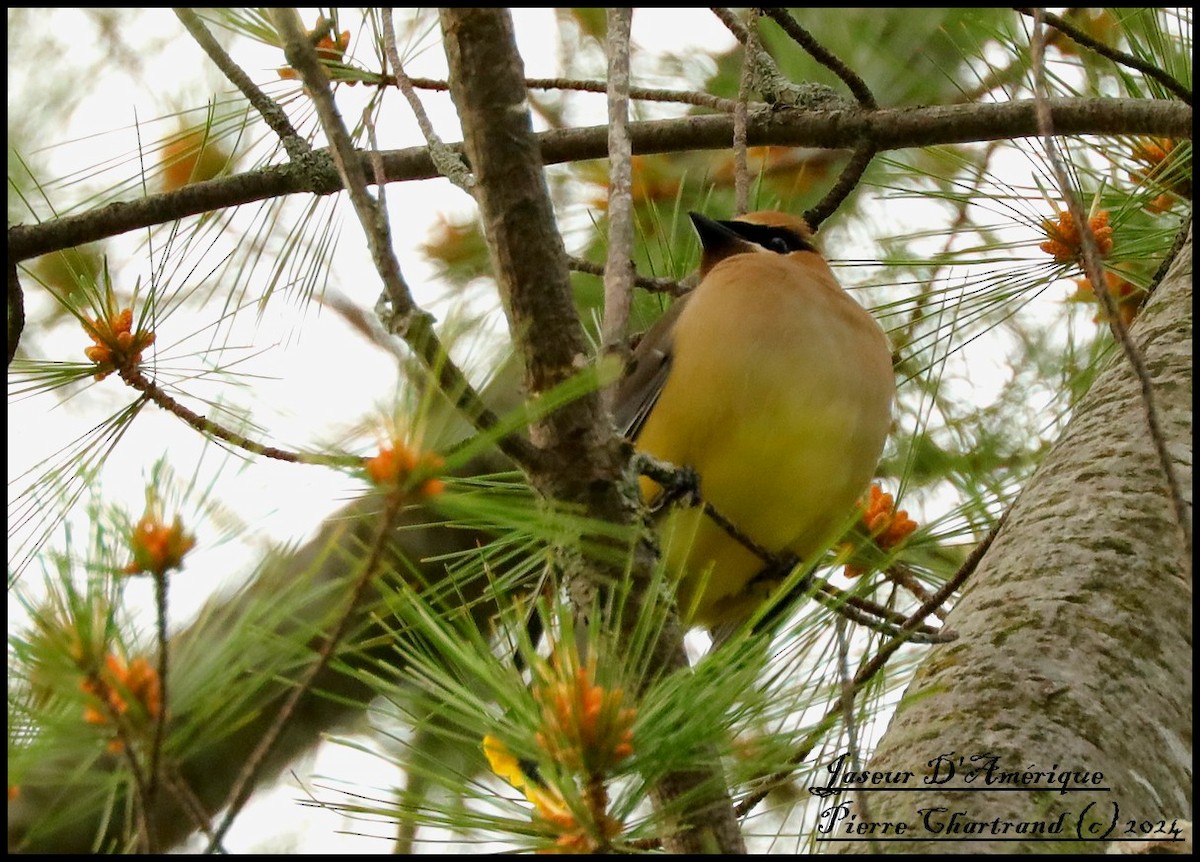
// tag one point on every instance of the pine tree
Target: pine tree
(482, 609)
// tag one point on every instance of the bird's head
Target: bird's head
(765, 231)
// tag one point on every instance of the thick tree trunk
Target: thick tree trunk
(1074, 649)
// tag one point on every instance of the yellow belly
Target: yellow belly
(783, 416)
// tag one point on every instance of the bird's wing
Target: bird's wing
(646, 374)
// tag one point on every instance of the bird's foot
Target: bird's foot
(679, 484)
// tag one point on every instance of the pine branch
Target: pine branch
(885, 129)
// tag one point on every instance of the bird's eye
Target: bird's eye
(778, 244)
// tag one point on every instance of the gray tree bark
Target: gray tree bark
(1075, 637)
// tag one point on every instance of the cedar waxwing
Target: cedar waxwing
(773, 385)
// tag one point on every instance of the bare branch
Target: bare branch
(256, 763)
(641, 94)
(164, 693)
(1124, 59)
(741, 170)
(869, 670)
(846, 183)
(274, 115)
(618, 267)
(351, 168)
(151, 391)
(681, 484)
(865, 150)
(775, 88)
(407, 320)
(823, 55)
(654, 285)
(887, 129)
(1181, 238)
(449, 163)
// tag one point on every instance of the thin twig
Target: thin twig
(734, 532)
(618, 263)
(449, 163)
(1094, 269)
(968, 567)
(376, 161)
(766, 62)
(1120, 57)
(856, 609)
(735, 26)
(868, 671)
(104, 693)
(654, 285)
(680, 487)
(857, 86)
(775, 88)
(267, 108)
(846, 183)
(190, 804)
(303, 58)
(865, 151)
(850, 722)
(151, 391)
(741, 170)
(905, 577)
(255, 763)
(876, 617)
(896, 618)
(642, 94)
(1181, 237)
(161, 583)
(926, 635)
(405, 318)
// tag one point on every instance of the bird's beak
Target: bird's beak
(718, 240)
(713, 234)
